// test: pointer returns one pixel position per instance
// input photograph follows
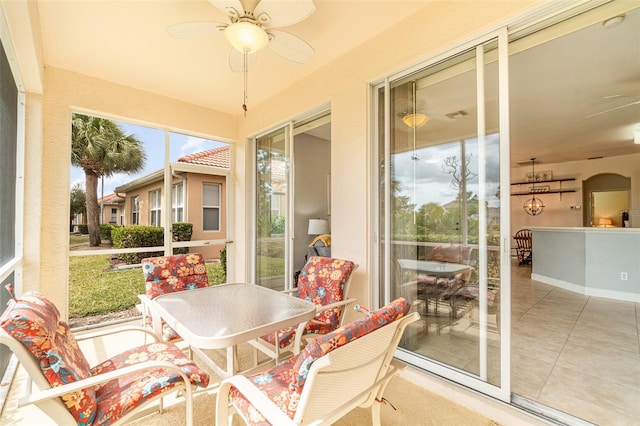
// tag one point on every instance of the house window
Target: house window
(135, 210)
(154, 197)
(114, 215)
(211, 207)
(177, 202)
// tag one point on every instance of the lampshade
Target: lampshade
(605, 222)
(533, 206)
(246, 37)
(418, 119)
(318, 226)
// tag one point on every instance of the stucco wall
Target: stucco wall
(344, 84)
(67, 92)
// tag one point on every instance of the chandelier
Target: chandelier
(533, 206)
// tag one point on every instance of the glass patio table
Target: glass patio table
(225, 315)
(433, 267)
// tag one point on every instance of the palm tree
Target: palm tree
(101, 148)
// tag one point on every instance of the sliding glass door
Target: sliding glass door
(443, 158)
(272, 209)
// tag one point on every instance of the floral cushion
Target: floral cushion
(321, 282)
(117, 397)
(453, 253)
(168, 274)
(174, 273)
(283, 383)
(35, 322)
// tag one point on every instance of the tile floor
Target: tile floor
(576, 354)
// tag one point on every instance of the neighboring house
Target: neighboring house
(112, 209)
(196, 198)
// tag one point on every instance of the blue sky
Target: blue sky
(153, 143)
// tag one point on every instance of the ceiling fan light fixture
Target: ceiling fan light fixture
(415, 120)
(246, 37)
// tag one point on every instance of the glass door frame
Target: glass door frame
(288, 131)
(382, 294)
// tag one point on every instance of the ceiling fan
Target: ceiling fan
(637, 102)
(252, 26)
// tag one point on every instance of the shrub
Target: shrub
(223, 262)
(83, 229)
(182, 231)
(105, 232)
(137, 236)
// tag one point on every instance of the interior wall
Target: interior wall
(558, 211)
(312, 165)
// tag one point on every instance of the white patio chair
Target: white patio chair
(324, 281)
(71, 392)
(334, 374)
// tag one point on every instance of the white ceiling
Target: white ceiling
(126, 42)
(553, 87)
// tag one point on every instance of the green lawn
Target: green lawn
(94, 289)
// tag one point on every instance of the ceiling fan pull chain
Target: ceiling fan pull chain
(245, 70)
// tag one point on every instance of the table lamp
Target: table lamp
(318, 226)
(605, 222)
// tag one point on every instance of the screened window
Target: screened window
(114, 215)
(177, 202)
(135, 210)
(8, 183)
(211, 207)
(154, 197)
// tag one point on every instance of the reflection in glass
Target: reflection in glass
(271, 207)
(444, 213)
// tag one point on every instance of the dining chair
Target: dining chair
(335, 373)
(325, 282)
(71, 392)
(168, 274)
(524, 247)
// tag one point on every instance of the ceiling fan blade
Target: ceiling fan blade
(289, 46)
(233, 8)
(613, 109)
(195, 29)
(236, 60)
(278, 13)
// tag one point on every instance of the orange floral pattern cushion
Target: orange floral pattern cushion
(283, 384)
(321, 281)
(117, 397)
(168, 274)
(34, 321)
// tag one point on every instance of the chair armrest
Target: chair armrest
(258, 399)
(58, 391)
(116, 330)
(290, 291)
(345, 302)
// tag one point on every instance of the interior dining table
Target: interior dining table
(223, 316)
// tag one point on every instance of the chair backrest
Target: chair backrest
(47, 349)
(168, 274)
(325, 280)
(523, 239)
(351, 359)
